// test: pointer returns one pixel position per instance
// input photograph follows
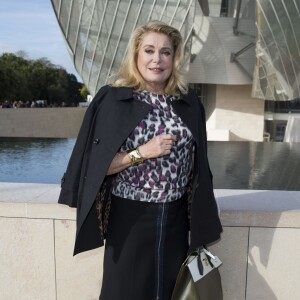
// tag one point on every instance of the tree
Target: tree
(84, 92)
(25, 79)
(13, 77)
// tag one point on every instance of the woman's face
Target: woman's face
(155, 60)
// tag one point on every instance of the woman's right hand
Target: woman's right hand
(159, 146)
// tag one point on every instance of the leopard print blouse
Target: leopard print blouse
(161, 179)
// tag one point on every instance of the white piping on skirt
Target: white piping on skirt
(159, 244)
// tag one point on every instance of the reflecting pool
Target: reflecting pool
(255, 166)
(34, 160)
(235, 165)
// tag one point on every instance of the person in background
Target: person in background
(139, 174)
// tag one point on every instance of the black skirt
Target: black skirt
(146, 244)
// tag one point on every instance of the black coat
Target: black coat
(110, 118)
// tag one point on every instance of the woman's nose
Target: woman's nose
(156, 56)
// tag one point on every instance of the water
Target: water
(34, 160)
(255, 166)
(235, 165)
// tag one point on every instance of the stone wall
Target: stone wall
(233, 115)
(41, 122)
(259, 247)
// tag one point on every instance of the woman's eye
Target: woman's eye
(151, 51)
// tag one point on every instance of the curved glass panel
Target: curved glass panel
(97, 31)
(277, 70)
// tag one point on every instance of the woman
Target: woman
(139, 174)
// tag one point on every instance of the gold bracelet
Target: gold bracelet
(135, 156)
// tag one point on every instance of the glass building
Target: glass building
(238, 52)
(277, 69)
(97, 31)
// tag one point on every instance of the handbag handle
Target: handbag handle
(209, 256)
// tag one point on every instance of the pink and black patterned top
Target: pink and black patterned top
(161, 179)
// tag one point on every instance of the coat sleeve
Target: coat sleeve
(205, 136)
(71, 178)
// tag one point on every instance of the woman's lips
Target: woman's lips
(156, 69)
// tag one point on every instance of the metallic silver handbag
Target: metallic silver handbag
(199, 278)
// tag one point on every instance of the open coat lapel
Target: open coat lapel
(116, 118)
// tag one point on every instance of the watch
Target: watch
(135, 156)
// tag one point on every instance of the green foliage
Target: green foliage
(84, 92)
(25, 79)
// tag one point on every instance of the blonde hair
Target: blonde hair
(129, 75)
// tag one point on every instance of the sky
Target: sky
(31, 26)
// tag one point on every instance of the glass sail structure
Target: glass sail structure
(220, 38)
(277, 69)
(97, 31)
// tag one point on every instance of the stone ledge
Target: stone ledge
(267, 219)
(259, 208)
(238, 207)
(29, 192)
(37, 211)
(38, 235)
(258, 200)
